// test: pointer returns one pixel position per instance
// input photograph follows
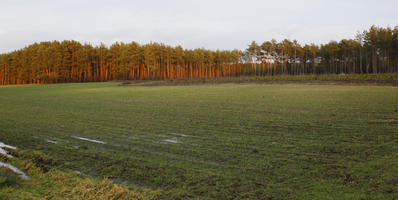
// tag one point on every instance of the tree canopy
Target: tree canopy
(372, 51)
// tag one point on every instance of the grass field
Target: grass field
(226, 141)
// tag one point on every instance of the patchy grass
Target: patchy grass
(233, 141)
(59, 184)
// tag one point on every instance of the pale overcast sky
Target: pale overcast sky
(213, 24)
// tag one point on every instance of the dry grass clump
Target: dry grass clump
(89, 189)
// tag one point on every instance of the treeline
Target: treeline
(372, 51)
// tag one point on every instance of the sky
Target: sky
(211, 24)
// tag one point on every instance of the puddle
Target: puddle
(89, 140)
(7, 146)
(14, 169)
(172, 140)
(4, 152)
(179, 134)
(51, 141)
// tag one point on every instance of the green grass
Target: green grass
(234, 141)
(340, 79)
